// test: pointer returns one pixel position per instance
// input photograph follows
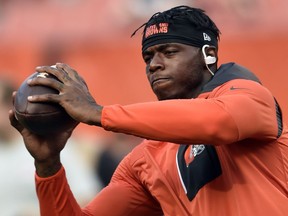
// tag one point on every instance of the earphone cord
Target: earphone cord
(211, 72)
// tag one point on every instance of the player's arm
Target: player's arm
(123, 196)
(231, 115)
(225, 118)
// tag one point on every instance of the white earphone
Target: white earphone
(208, 59)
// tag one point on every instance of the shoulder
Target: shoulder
(227, 73)
(241, 92)
(243, 87)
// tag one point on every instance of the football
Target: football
(40, 118)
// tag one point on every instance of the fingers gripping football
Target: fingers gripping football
(73, 96)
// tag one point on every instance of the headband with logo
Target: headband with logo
(177, 32)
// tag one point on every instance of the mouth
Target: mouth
(158, 81)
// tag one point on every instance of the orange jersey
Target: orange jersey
(223, 153)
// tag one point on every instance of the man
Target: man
(215, 142)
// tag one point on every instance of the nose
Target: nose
(156, 63)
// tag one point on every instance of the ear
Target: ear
(212, 51)
(210, 58)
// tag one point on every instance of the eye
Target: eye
(170, 52)
(147, 58)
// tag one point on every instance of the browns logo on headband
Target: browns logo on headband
(178, 25)
(156, 29)
(177, 32)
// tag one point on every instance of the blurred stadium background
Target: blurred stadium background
(94, 38)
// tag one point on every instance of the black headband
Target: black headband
(177, 32)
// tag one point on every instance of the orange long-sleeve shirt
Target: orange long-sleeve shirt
(223, 153)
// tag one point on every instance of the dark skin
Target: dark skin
(174, 71)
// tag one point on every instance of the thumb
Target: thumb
(14, 122)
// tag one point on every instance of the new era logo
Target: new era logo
(206, 37)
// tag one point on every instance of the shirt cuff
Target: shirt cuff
(58, 174)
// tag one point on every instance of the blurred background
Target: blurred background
(94, 38)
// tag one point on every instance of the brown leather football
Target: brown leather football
(40, 118)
